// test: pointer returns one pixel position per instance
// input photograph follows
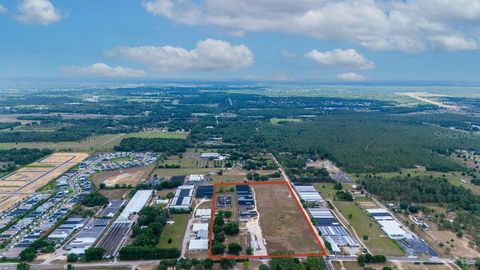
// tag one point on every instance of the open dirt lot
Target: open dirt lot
(282, 223)
(34, 176)
(115, 194)
(131, 176)
(458, 247)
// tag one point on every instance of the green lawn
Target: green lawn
(378, 242)
(275, 121)
(175, 231)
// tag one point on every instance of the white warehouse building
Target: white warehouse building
(388, 224)
(138, 201)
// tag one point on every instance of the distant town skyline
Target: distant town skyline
(255, 40)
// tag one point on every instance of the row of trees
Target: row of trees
(169, 146)
(146, 234)
(10, 159)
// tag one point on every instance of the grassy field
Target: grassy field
(94, 143)
(453, 177)
(181, 171)
(275, 121)
(378, 242)
(175, 232)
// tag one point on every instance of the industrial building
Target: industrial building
(138, 201)
(389, 225)
(215, 156)
(308, 193)
(61, 233)
(115, 236)
(198, 245)
(204, 214)
(204, 192)
(195, 179)
(182, 198)
(331, 229)
(245, 197)
(111, 209)
(87, 236)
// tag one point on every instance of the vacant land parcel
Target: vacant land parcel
(284, 228)
(124, 177)
(19, 184)
(278, 224)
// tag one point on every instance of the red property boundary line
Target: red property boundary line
(299, 205)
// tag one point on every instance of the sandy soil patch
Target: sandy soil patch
(114, 194)
(37, 174)
(458, 247)
(23, 176)
(367, 205)
(283, 226)
(131, 176)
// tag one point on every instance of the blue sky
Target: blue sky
(284, 40)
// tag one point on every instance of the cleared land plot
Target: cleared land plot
(283, 226)
(30, 178)
(459, 247)
(174, 232)
(130, 176)
(114, 194)
(93, 143)
(276, 121)
(378, 242)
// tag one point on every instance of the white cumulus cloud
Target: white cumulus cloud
(3, 9)
(349, 58)
(456, 43)
(209, 54)
(104, 70)
(38, 12)
(351, 77)
(376, 24)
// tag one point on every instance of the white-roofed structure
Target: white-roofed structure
(194, 179)
(389, 225)
(138, 201)
(198, 244)
(332, 230)
(308, 193)
(200, 227)
(183, 197)
(204, 214)
(393, 229)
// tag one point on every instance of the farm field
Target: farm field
(378, 242)
(283, 226)
(93, 143)
(30, 178)
(275, 121)
(174, 232)
(125, 177)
